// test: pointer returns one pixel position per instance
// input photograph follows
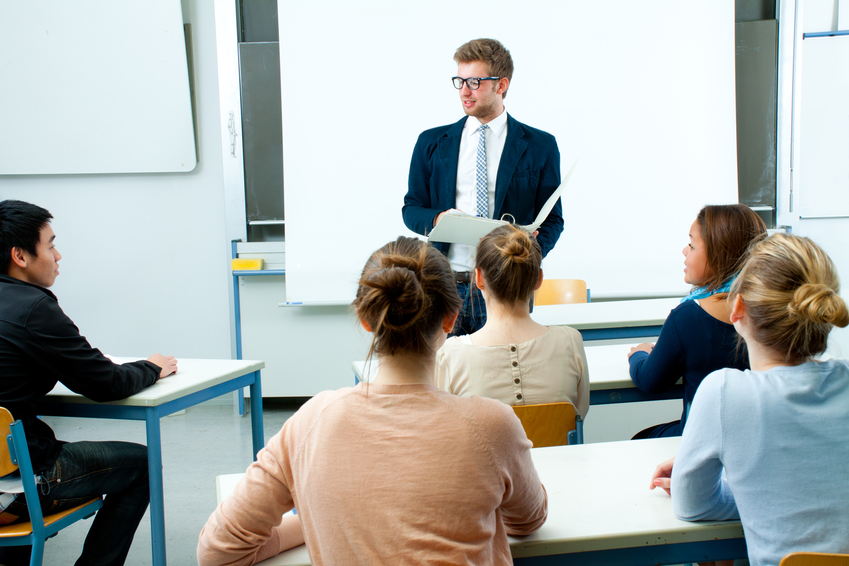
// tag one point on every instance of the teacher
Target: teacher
(487, 164)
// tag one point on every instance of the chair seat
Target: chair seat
(24, 529)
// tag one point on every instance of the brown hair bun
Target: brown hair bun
(405, 292)
(509, 259)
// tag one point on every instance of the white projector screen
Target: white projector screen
(641, 91)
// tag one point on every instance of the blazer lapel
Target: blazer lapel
(514, 148)
(448, 147)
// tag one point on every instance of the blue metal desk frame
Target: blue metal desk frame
(237, 314)
(151, 415)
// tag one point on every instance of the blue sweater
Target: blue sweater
(691, 345)
(770, 448)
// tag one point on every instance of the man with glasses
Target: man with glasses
(487, 164)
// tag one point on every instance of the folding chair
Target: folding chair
(814, 559)
(16, 468)
(551, 424)
(561, 292)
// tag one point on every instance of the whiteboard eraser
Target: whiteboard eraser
(246, 264)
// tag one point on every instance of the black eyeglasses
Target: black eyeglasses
(472, 82)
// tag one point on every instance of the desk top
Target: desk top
(191, 376)
(607, 314)
(608, 366)
(598, 499)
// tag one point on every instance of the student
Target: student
(697, 337)
(768, 445)
(395, 471)
(512, 358)
(40, 346)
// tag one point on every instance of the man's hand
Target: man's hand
(645, 347)
(662, 476)
(167, 363)
(439, 216)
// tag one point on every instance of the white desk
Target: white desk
(610, 381)
(600, 511)
(609, 319)
(195, 381)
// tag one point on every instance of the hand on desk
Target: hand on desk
(167, 363)
(662, 476)
(645, 347)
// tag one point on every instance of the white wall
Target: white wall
(146, 260)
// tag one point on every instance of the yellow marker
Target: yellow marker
(246, 264)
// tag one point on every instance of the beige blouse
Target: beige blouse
(547, 369)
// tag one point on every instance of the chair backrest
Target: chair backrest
(549, 424)
(6, 464)
(561, 292)
(815, 559)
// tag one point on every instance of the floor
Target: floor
(205, 441)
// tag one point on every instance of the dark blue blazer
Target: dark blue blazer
(528, 174)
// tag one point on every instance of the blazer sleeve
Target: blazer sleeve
(552, 227)
(419, 211)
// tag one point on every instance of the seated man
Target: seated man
(40, 345)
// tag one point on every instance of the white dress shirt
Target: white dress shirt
(462, 257)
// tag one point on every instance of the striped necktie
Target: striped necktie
(481, 191)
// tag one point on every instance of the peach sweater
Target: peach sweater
(386, 474)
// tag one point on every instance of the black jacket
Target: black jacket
(40, 345)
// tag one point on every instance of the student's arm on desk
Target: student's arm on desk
(167, 363)
(525, 506)
(58, 348)
(660, 369)
(249, 526)
(701, 490)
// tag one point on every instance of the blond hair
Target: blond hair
(790, 288)
(490, 52)
(509, 259)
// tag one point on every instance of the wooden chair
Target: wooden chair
(551, 424)
(14, 458)
(814, 559)
(561, 292)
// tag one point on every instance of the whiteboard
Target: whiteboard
(824, 127)
(94, 87)
(642, 92)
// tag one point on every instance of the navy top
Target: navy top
(691, 345)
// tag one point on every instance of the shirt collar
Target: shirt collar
(498, 125)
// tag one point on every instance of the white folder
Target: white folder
(459, 228)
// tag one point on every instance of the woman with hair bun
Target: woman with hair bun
(769, 446)
(698, 337)
(393, 471)
(512, 358)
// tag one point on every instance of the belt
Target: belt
(462, 277)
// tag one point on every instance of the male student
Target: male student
(40, 345)
(487, 164)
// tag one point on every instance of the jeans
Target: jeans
(472, 313)
(88, 469)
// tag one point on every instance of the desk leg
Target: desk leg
(258, 435)
(157, 499)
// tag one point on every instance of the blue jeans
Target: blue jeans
(472, 313)
(85, 470)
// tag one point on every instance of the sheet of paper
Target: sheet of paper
(464, 229)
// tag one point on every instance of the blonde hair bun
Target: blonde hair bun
(818, 303)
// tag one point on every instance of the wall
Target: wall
(145, 264)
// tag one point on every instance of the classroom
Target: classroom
(663, 106)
